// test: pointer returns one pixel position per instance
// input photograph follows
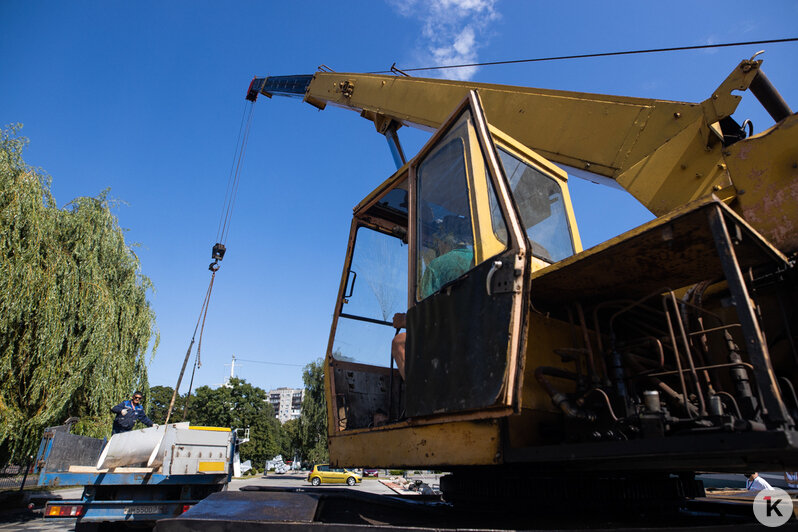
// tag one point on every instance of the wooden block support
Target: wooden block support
(93, 469)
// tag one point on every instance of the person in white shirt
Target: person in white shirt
(756, 483)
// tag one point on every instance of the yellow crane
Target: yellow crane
(668, 349)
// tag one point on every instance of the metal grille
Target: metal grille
(13, 477)
(71, 449)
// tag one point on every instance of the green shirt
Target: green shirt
(444, 269)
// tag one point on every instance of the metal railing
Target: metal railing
(17, 477)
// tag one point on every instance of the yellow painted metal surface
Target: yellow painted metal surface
(545, 334)
(211, 467)
(215, 429)
(681, 170)
(486, 244)
(606, 135)
(566, 124)
(765, 174)
(634, 270)
(437, 445)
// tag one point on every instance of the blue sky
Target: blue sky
(146, 98)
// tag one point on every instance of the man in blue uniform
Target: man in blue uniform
(128, 412)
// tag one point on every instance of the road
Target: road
(27, 520)
(32, 520)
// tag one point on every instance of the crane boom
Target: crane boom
(664, 153)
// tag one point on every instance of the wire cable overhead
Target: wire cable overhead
(584, 56)
(270, 363)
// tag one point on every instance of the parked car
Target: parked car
(332, 475)
(371, 472)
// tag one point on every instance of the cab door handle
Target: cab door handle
(497, 264)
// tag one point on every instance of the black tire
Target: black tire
(315, 481)
(351, 481)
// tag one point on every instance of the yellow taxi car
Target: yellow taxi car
(333, 475)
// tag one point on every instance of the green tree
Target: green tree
(292, 443)
(158, 403)
(313, 420)
(240, 405)
(75, 323)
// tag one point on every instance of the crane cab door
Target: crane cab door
(468, 276)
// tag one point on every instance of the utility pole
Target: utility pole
(232, 369)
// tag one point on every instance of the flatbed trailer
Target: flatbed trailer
(134, 494)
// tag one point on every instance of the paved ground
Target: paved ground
(32, 520)
(296, 480)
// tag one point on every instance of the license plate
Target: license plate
(144, 509)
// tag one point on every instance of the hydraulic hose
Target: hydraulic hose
(559, 399)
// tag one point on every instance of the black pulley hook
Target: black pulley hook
(217, 254)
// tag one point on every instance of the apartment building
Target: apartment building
(287, 403)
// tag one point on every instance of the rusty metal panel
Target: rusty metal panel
(764, 170)
(449, 370)
(437, 445)
(672, 251)
(362, 391)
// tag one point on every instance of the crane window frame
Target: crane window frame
(542, 205)
(455, 228)
(459, 362)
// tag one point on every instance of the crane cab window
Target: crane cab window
(377, 289)
(364, 380)
(446, 240)
(453, 233)
(541, 204)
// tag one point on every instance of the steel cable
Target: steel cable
(200, 319)
(235, 175)
(585, 56)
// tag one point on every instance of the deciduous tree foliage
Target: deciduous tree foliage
(313, 421)
(292, 443)
(158, 403)
(240, 405)
(75, 323)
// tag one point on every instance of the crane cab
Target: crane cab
(447, 245)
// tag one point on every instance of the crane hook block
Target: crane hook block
(217, 253)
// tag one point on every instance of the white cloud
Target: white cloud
(451, 30)
(712, 39)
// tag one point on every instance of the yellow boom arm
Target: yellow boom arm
(664, 153)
